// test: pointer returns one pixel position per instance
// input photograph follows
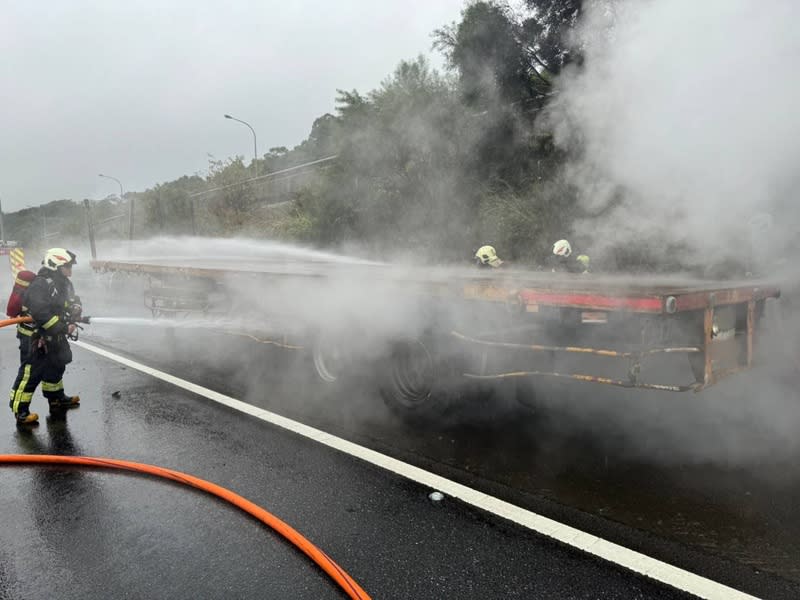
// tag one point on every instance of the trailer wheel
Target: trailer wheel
(411, 376)
(329, 360)
(412, 373)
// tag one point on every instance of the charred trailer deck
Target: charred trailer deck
(714, 325)
(480, 327)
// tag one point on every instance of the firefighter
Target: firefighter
(562, 261)
(22, 281)
(51, 302)
(583, 260)
(486, 257)
(25, 331)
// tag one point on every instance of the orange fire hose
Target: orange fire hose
(15, 320)
(334, 571)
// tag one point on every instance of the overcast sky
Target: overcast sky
(138, 90)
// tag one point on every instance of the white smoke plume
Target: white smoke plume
(684, 128)
(686, 114)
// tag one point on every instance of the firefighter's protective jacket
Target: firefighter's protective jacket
(564, 264)
(47, 300)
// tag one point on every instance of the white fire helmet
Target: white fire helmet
(58, 257)
(562, 248)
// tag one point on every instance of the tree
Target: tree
(167, 206)
(227, 207)
(429, 163)
(486, 49)
(548, 33)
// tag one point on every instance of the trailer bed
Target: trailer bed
(635, 319)
(529, 288)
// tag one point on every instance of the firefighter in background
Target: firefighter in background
(486, 257)
(25, 331)
(583, 260)
(22, 281)
(562, 261)
(51, 302)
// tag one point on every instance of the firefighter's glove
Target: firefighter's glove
(74, 310)
(72, 331)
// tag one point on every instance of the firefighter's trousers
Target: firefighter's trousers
(46, 365)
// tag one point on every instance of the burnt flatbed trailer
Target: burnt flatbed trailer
(717, 321)
(490, 324)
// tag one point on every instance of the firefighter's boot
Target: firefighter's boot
(25, 417)
(64, 402)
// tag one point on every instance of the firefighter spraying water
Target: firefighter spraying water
(55, 311)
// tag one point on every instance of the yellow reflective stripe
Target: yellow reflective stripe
(52, 387)
(51, 322)
(21, 282)
(24, 330)
(22, 397)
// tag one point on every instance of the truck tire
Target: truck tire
(413, 383)
(328, 359)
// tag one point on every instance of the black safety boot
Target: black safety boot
(26, 418)
(64, 403)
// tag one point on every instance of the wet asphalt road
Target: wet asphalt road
(717, 497)
(74, 533)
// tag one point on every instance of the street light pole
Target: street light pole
(121, 197)
(255, 143)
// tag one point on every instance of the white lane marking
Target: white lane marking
(630, 559)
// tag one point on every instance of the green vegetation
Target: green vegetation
(427, 163)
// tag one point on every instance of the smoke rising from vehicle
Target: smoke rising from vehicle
(685, 133)
(686, 119)
(679, 150)
(356, 311)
